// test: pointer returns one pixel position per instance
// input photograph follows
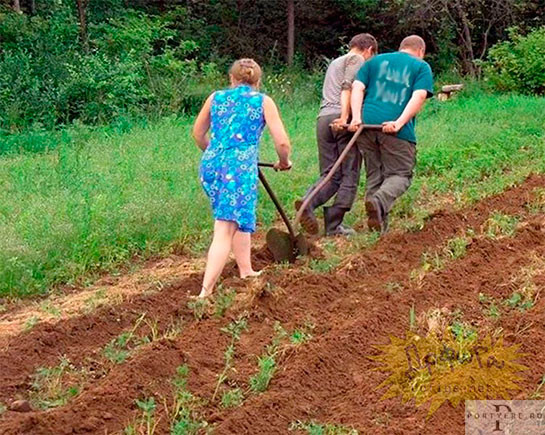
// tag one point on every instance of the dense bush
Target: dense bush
(519, 63)
(151, 58)
(137, 64)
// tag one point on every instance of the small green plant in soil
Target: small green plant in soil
(232, 398)
(484, 299)
(174, 330)
(383, 419)
(430, 262)
(153, 326)
(313, 428)
(465, 336)
(538, 394)
(48, 308)
(501, 225)
(416, 221)
(517, 300)
(462, 331)
(266, 368)
(55, 386)
(223, 300)
(146, 424)
(393, 287)
(266, 363)
(234, 329)
(324, 265)
(199, 308)
(537, 203)
(300, 336)
(282, 340)
(494, 311)
(31, 322)
(490, 306)
(456, 247)
(184, 414)
(119, 349)
(94, 301)
(364, 240)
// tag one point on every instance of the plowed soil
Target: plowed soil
(330, 378)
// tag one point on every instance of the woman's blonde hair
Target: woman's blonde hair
(246, 71)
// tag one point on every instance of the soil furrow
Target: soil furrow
(332, 378)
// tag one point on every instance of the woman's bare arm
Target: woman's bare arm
(202, 125)
(278, 133)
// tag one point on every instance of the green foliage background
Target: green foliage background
(148, 59)
(519, 63)
(96, 161)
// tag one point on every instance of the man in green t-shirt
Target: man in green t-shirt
(396, 85)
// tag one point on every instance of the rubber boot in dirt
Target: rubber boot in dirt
(308, 219)
(333, 218)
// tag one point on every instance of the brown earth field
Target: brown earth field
(408, 280)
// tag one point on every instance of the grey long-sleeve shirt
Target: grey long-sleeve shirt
(340, 75)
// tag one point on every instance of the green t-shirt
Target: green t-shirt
(390, 80)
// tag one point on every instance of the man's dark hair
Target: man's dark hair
(363, 41)
(413, 42)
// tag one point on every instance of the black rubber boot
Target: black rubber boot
(333, 217)
(308, 219)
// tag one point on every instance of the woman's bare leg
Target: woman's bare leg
(218, 254)
(242, 247)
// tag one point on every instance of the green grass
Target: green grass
(501, 225)
(102, 197)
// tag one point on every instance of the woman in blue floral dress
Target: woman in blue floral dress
(236, 118)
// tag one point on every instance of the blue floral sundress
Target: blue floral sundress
(228, 169)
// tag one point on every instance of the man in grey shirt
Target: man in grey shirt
(335, 108)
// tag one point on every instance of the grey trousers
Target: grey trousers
(346, 179)
(389, 165)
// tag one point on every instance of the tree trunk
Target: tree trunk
(17, 6)
(469, 56)
(82, 15)
(32, 7)
(291, 31)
